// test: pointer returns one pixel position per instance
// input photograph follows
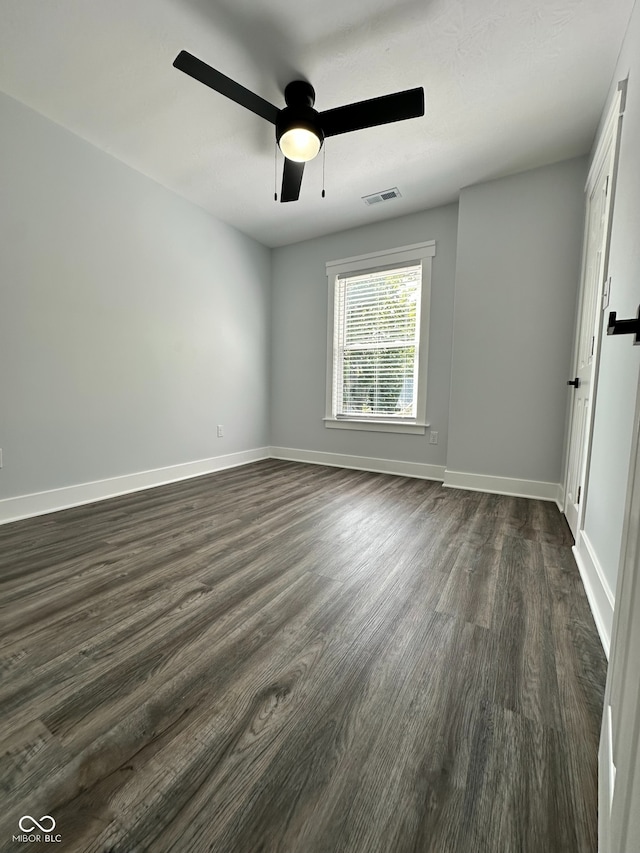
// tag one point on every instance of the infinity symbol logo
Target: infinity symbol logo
(35, 824)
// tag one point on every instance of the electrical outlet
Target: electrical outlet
(220, 431)
(433, 437)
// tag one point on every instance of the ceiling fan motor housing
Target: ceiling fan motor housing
(303, 117)
(299, 93)
(300, 97)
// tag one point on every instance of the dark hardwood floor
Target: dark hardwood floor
(293, 658)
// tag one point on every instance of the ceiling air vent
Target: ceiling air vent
(385, 195)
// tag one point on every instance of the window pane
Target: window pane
(376, 341)
(379, 381)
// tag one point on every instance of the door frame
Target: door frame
(619, 753)
(608, 144)
(587, 330)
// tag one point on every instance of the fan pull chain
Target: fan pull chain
(324, 160)
(275, 172)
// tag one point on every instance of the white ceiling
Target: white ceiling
(509, 85)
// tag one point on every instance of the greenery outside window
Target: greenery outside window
(378, 340)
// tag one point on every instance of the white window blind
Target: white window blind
(376, 343)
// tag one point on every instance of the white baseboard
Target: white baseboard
(560, 497)
(361, 463)
(599, 594)
(40, 503)
(501, 485)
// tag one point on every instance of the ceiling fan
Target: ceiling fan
(300, 129)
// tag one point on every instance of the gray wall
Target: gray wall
(131, 322)
(619, 360)
(299, 338)
(517, 272)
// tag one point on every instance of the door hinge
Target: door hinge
(606, 186)
(579, 493)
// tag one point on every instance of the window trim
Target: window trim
(416, 253)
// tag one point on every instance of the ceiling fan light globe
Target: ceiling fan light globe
(300, 144)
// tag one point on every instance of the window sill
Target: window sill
(376, 426)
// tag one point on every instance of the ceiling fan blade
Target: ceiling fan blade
(291, 180)
(383, 110)
(204, 73)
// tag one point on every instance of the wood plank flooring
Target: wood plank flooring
(286, 658)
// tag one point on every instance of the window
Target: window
(378, 340)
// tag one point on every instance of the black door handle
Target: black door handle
(575, 382)
(624, 327)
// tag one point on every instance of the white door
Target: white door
(581, 391)
(619, 771)
(581, 384)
